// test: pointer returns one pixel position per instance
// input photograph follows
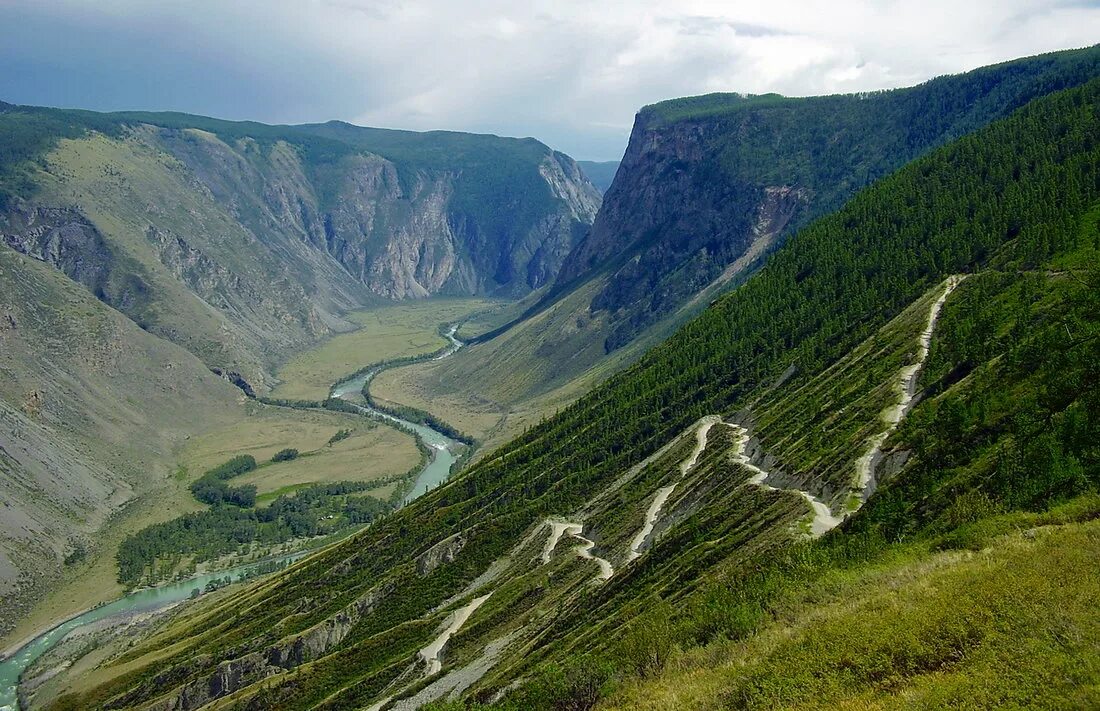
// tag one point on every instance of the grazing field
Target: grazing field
(405, 329)
(411, 385)
(371, 451)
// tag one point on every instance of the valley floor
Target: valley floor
(391, 331)
(370, 452)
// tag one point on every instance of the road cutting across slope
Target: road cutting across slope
(907, 387)
(654, 510)
(558, 529)
(430, 654)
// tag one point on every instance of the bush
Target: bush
(236, 466)
(577, 685)
(340, 435)
(285, 455)
(646, 647)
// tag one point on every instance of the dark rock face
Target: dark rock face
(235, 378)
(65, 239)
(712, 183)
(670, 226)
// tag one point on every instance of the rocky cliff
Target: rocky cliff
(244, 242)
(709, 184)
(708, 187)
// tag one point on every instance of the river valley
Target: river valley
(444, 453)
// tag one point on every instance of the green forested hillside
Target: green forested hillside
(1007, 428)
(708, 188)
(721, 152)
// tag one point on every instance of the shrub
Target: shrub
(285, 455)
(340, 435)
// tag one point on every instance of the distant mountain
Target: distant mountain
(601, 173)
(857, 479)
(708, 188)
(243, 242)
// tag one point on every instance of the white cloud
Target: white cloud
(571, 72)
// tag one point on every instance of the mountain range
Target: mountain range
(834, 376)
(150, 260)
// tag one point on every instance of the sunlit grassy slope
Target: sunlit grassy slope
(1012, 625)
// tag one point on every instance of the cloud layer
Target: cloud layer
(571, 73)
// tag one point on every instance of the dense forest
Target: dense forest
(234, 522)
(823, 149)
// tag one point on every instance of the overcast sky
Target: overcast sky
(569, 73)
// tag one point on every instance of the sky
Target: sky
(571, 74)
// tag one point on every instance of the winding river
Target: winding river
(443, 448)
(443, 456)
(137, 601)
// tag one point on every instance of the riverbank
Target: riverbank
(144, 600)
(444, 452)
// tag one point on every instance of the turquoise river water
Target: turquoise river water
(444, 454)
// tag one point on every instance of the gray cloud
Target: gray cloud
(570, 72)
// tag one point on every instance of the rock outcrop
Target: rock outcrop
(245, 243)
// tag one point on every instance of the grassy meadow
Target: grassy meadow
(371, 451)
(406, 329)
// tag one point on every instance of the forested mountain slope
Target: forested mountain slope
(835, 327)
(707, 188)
(244, 242)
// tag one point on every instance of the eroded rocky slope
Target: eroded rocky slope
(245, 242)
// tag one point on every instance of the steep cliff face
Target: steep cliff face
(708, 184)
(404, 230)
(245, 242)
(708, 187)
(454, 213)
(671, 226)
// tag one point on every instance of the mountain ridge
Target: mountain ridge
(319, 212)
(1013, 204)
(702, 197)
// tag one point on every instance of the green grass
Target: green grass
(385, 332)
(370, 452)
(1013, 625)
